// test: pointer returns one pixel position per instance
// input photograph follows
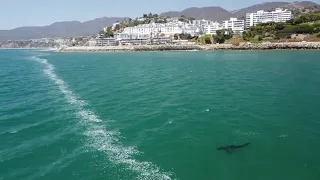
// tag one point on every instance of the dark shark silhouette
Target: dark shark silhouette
(232, 147)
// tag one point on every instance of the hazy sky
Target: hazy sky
(16, 13)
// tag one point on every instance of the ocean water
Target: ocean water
(159, 115)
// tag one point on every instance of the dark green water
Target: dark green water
(150, 116)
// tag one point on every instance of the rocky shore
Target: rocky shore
(129, 48)
(242, 46)
(267, 46)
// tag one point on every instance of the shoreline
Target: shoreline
(211, 47)
(158, 48)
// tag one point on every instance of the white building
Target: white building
(141, 19)
(203, 22)
(120, 36)
(114, 25)
(236, 25)
(173, 19)
(168, 28)
(105, 29)
(144, 31)
(278, 15)
(102, 42)
(212, 28)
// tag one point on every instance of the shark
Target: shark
(232, 147)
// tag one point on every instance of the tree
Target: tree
(145, 15)
(185, 36)
(279, 26)
(181, 19)
(207, 39)
(188, 36)
(222, 35)
(155, 15)
(290, 21)
(259, 38)
(316, 27)
(109, 34)
(135, 23)
(228, 33)
(305, 29)
(218, 39)
(176, 36)
(245, 35)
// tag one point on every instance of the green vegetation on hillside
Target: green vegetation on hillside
(222, 35)
(185, 19)
(305, 24)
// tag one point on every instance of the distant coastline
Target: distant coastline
(243, 46)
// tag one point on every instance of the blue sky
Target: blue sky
(16, 13)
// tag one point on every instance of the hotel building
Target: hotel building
(278, 15)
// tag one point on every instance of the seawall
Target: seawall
(243, 46)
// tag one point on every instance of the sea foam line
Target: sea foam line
(100, 138)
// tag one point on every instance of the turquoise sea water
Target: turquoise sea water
(159, 115)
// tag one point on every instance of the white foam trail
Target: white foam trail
(102, 139)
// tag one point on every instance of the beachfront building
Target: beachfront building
(156, 33)
(212, 28)
(158, 30)
(236, 25)
(279, 15)
(167, 28)
(102, 42)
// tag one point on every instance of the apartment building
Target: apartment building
(212, 28)
(235, 24)
(279, 15)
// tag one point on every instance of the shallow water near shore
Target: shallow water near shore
(159, 115)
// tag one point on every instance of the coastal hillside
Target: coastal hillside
(254, 8)
(59, 29)
(209, 13)
(220, 14)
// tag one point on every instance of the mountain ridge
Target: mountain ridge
(59, 29)
(239, 13)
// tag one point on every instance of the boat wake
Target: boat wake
(101, 139)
